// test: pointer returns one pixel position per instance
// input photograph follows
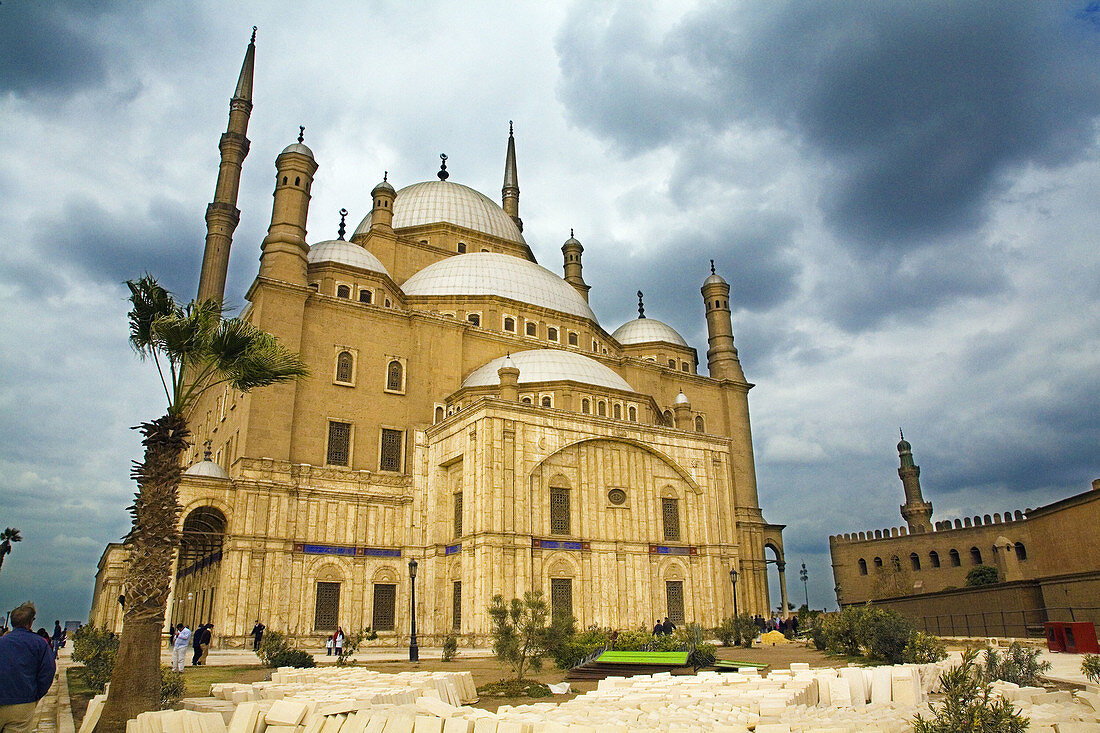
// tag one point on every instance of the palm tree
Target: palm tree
(9, 535)
(194, 349)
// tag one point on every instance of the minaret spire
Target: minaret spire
(916, 511)
(510, 192)
(222, 214)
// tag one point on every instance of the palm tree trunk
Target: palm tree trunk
(135, 681)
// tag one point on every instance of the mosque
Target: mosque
(469, 428)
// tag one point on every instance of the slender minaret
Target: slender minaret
(722, 361)
(571, 252)
(510, 192)
(285, 251)
(222, 215)
(916, 511)
(381, 215)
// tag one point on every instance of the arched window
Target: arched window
(297, 180)
(343, 291)
(895, 563)
(526, 401)
(344, 363)
(547, 401)
(532, 329)
(573, 339)
(632, 414)
(474, 318)
(601, 408)
(934, 558)
(365, 296)
(461, 247)
(551, 334)
(1021, 551)
(862, 566)
(878, 562)
(509, 324)
(672, 363)
(954, 554)
(975, 556)
(684, 366)
(559, 510)
(668, 417)
(586, 406)
(699, 427)
(394, 376)
(439, 413)
(617, 411)
(914, 560)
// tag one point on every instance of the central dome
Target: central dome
(549, 365)
(489, 273)
(442, 201)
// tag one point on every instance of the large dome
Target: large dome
(647, 330)
(436, 201)
(345, 253)
(489, 273)
(549, 365)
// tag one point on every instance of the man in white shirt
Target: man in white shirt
(179, 649)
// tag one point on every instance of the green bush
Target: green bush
(969, 705)
(578, 647)
(96, 650)
(1019, 664)
(747, 630)
(883, 634)
(633, 641)
(291, 658)
(351, 645)
(272, 644)
(171, 687)
(739, 631)
(450, 647)
(1090, 667)
(726, 631)
(924, 648)
(841, 631)
(817, 633)
(983, 575)
(520, 632)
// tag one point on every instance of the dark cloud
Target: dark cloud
(49, 48)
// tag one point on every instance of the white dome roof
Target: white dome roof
(647, 330)
(489, 273)
(549, 365)
(297, 148)
(345, 253)
(209, 469)
(434, 201)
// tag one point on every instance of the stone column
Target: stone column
(782, 567)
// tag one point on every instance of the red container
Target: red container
(1077, 637)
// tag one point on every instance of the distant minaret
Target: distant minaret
(222, 215)
(510, 192)
(571, 252)
(916, 511)
(722, 360)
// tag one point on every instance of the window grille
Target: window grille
(632, 414)
(390, 460)
(328, 607)
(343, 291)
(510, 324)
(547, 402)
(532, 329)
(573, 339)
(586, 406)
(561, 596)
(552, 334)
(343, 367)
(601, 409)
(339, 443)
(474, 318)
(674, 592)
(559, 511)
(385, 600)
(670, 514)
(456, 606)
(365, 296)
(393, 376)
(458, 514)
(699, 426)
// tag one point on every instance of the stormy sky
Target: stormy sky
(903, 197)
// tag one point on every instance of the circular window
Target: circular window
(616, 497)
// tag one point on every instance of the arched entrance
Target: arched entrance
(200, 556)
(779, 566)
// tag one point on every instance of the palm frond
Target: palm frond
(11, 534)
(250, 358)
(149, 302)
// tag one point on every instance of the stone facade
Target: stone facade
(467, 410)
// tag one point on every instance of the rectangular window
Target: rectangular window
(456, 605)
(674, 591)
(390, 457)
(559, 511)
(385, 601)
(670, 516)
(339, 443)
(458, 514)
(561, 596)
(328, 607)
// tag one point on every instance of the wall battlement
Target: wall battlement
(947, 525)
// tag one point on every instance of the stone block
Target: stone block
(285, 712)
(485, 725)
(425, 723)
(881, 686)
(400, 723)
(1075, 727)
(839, 693)
(458, 725)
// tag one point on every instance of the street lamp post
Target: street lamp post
(805, 576)
(414, 650)
(733, 579)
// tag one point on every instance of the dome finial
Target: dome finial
(341, 230)
(386, 176)
(253, 41)
(509, 128)
(901, 433)
(712, 267)
(570, 232)
(443, 174)
(207, 452)
(301, 133)
(641, 306)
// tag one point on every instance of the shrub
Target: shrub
(1020, 665)
(817, 633)
(578, 647)
(747, 630)
(351, 645)
(272, 644)
(171, 687)
(520, 631)
(969, 705)
(840, 631)
(291, 658)
(450, 647)
(883, 634)
(633, 641)
(983, 575)
(738, 631)
(1090, 667)
(726, 631)
(923, 649)
(96, 650)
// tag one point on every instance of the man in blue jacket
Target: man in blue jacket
(26, 672)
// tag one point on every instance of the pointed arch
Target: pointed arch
(645, 447)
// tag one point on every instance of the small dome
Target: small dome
(298, 148)
(345, 253)
(571, 241)
(714, 278)
(904, 447)
(681, 399)
(206, 469)
(549, 365)
(645, 331)
(490, 273)
(442, 201)
(383, 185)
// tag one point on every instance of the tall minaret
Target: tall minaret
(722, 361)
(222, 214)
(285, 252)
(916, 511)
(571, 253)
(510, 192)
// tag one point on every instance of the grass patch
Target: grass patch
(197, 680)
(80, 694)
(514, 688)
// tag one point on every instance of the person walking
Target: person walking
(196, 645)
(668, 627)
(27, 668)
(179, 647)
(658, 628)
(204, 642)
(257, 635)
(57, 637)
